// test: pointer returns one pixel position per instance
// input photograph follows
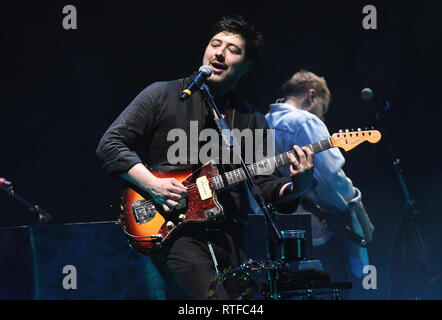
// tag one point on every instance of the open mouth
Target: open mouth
(218, 67)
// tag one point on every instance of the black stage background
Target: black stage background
(62, 88)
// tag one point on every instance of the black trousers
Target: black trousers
(187, 265)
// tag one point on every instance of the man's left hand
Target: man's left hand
(302, 175)
(305, 162)
(301, 170)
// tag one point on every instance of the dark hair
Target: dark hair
(237, 25)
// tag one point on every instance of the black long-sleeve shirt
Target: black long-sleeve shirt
(140, 132)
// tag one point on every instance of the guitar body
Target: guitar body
(146, 225)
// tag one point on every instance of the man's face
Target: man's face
(225, 54)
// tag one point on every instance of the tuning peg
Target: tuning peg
(372, 128)
(340, 131)
(359, 129)
(352, 130)
(346, 130)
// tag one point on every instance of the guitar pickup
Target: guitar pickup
(203, 186)
(143, 211)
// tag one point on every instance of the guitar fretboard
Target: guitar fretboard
(265, 166)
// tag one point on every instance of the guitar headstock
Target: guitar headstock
(347, 140)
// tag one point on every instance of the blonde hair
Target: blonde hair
(302, 81)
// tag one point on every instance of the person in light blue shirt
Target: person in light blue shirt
(298, 118)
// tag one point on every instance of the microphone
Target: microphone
(368, 95)
(5, 183)
(203, 73)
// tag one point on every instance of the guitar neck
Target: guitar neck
(265, 166)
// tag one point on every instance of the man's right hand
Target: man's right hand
(166, 191)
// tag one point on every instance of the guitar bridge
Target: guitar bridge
(143, 211)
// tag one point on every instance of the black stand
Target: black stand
(409, 263)
(43, 216)
(274, 235)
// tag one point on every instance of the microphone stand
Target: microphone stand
(43, 216)
(408, 243)
(274, 235)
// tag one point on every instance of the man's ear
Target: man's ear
(308, 99)
(312, 95)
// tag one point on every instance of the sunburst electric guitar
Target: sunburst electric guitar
(148, 227)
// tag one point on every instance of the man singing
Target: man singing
(187, 264)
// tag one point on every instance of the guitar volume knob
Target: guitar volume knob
(170, 224)
(181, 217)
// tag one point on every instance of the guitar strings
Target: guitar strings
(192, 188)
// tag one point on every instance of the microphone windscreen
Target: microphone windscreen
(367, 94)
(207, 70)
